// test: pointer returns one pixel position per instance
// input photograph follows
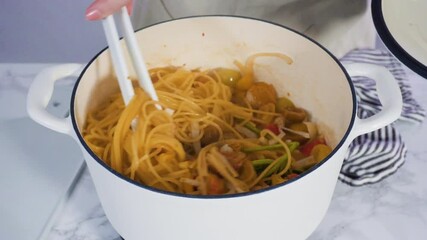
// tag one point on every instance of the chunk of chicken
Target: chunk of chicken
(261, 93)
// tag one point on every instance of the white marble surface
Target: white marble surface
(395, 208)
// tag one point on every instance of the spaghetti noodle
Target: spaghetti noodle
(228, 134)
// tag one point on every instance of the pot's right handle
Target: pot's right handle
(40, 93)
(388, 93)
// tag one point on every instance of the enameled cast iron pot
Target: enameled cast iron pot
(315, 81)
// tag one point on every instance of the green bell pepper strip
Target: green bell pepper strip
(291, 145)
(261, 164)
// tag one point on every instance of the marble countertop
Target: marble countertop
(395, 208)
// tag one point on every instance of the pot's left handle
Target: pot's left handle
(40, 93)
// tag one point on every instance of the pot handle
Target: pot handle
(388, 92)
(40, 93)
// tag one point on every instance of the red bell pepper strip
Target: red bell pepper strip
(273, 127)
(306, 149)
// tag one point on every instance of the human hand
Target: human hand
(100, 9)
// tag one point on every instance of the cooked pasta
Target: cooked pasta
(227, 133)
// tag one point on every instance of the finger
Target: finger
(103, 8)
(130, 7)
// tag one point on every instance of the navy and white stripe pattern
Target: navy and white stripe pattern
(374, 156)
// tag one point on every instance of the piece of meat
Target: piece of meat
(210, 135)
(261, 93)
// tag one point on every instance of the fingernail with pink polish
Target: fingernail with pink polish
(93, 14)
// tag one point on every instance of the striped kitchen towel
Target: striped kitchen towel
(374, 156)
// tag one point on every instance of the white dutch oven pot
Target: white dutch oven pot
(315, 81)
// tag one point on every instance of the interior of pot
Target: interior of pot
(315, 81)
